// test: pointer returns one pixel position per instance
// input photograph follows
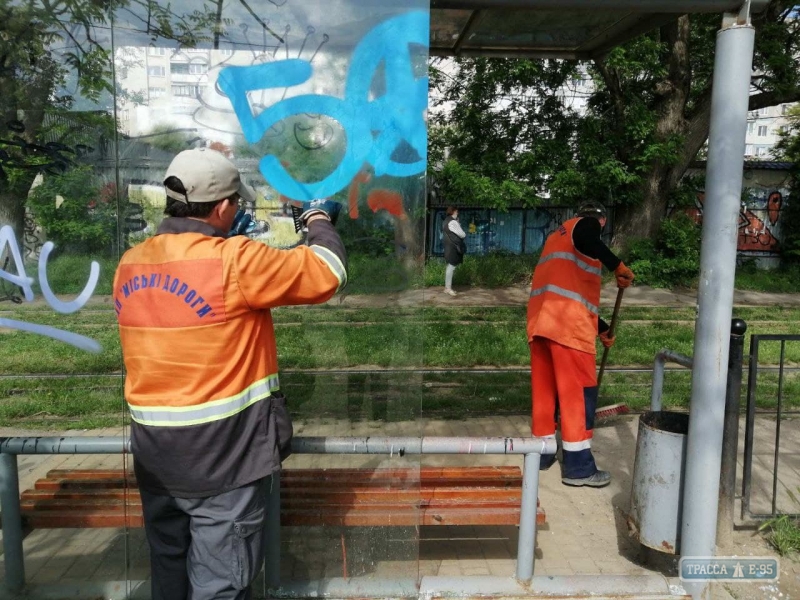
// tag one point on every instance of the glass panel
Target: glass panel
(309, 100)
(62, 227)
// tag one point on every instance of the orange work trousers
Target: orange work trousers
(564, 379)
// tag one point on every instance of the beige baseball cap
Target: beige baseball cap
(207, 176)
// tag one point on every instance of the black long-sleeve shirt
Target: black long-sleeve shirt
(586, 237)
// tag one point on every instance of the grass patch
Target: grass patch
(785, 279)
(783, 534)
(490, 271)
(330, 337)
(401, 338)
(379, 275)
(28, 354)
(68, 274)
(62, 403)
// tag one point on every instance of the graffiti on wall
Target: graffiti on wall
(759, 220)
(759, 225)
(518, 231)
(540, 223)
(19, 278)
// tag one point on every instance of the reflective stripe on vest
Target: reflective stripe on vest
(216, 410)
(554, 289)
(565, 293)
(333, 262)
(571, 257)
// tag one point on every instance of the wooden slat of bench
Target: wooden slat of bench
(347, 518)
(493, 473)
(332, 503)
(318, 496)
(298, 477)
(349, 497)
(77, 519)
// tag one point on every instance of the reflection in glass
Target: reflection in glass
(309, 99)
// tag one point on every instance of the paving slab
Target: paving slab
(517, 295)
(586, 532)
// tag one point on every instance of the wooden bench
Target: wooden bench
(309, 497)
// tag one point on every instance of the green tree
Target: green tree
(789, 150)
(169, 139)
(309, 146)
(646, 121)
(77, 211)
(55, 59)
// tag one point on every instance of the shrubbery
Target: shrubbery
(78, 212)
(672, 259)
(490, 271)
(68, 273)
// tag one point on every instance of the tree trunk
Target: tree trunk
(643, 220)
(672, 94)
(12, 212)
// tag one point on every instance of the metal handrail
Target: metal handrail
(662, 357)
(531, 448)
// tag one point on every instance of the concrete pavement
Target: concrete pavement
(586, 532)
(518, 296)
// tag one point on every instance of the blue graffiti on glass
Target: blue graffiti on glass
(396, 116)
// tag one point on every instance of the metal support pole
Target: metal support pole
(730, 436)
(12, 523)
(272, 539)
(526, 545)
(729, 103)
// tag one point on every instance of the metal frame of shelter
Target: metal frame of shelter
(497, 28)
(582, 29)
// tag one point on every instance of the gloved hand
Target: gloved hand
(303, 211)
(607, 340)
(240, 223)
(624, 276)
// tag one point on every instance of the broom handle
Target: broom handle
(610, 334)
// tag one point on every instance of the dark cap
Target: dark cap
(592, 209)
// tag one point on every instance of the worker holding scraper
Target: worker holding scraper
(563, 322)
(209, 424)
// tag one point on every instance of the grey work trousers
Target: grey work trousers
(206, 548)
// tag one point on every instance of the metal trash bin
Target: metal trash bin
(657, 492)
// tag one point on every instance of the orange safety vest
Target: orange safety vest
(565, 293)
(195, 325)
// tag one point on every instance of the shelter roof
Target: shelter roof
(751, 165)
(574, 29)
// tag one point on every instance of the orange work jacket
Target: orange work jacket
(565, 293)
(195, 325)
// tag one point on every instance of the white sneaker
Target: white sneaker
(450, 292)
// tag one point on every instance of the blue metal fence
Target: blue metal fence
(515, 231)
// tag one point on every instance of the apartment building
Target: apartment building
(174, 88)
(764, 128)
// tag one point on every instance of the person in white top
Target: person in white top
(454, 247)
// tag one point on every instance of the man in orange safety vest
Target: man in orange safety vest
(563, 322)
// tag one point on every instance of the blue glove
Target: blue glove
(241, 222)
(301, 211)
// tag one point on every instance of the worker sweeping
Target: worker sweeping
(563, 322)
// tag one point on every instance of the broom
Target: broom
(621, 408)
